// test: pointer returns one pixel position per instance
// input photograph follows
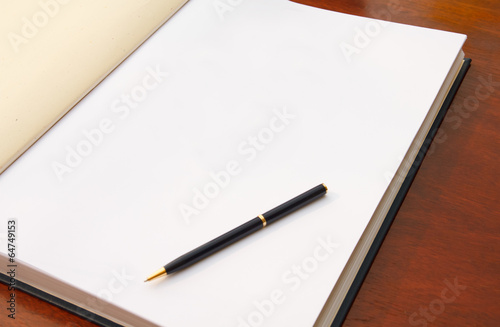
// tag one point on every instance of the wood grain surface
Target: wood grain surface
(440, 262)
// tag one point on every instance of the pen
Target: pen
(239, 232)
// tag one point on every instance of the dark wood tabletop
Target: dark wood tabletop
(440, 262)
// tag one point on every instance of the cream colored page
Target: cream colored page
(53, 52)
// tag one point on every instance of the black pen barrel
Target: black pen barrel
(214, 245)
(295, 203)
(247, 228)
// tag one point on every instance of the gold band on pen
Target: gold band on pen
(264, 222)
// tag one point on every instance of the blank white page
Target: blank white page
(220, 116)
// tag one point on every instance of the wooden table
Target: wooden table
(440, 263)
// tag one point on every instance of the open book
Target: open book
(219, 116)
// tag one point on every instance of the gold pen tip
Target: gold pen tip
(156, 274)
(326, 188)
